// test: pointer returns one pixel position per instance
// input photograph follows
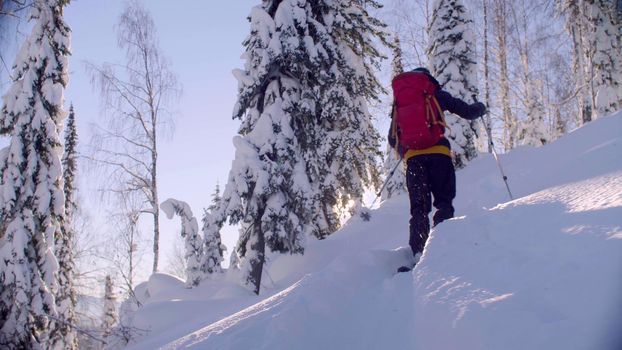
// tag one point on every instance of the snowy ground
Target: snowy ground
(541, 272)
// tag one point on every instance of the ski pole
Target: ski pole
(494, 152)
(365, 215)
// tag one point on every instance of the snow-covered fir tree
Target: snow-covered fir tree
(348, 153)
(533, 131)
(213, 249)
(396, 183)
(307, 147)
(193, 241)
(32, 201)
(263, 193)
(452, 57)
(66, 296)
(110, 315)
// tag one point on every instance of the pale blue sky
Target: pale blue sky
(203, 42)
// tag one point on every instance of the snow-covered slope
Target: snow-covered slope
(541, 272)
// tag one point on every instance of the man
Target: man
(430, 171)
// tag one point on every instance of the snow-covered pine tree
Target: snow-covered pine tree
(66, 295)
(307, 146)
(346, 161)
(533, 130)
(213, 249)
(190, 232)
(452, 57)
(110, 315)
(267, 189)
(396, 184)
(31, 185)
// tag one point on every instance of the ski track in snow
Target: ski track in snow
(265, 322)
(539, 272)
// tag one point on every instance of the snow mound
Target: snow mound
(540, 272)
(158, 286)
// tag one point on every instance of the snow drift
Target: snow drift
(541, 272)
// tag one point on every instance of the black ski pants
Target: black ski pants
(429, 175)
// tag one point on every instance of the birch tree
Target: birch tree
(137, 96)
(500, 29)
(486, 69)
(582, 55)
(603, 36)
(110, 316)
(125, 252)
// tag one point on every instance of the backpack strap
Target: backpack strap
(394, 128)
(433, 117)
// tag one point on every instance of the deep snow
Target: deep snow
(541, 272)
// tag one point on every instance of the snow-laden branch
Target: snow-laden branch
(190, 233)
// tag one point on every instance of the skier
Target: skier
(417, 134)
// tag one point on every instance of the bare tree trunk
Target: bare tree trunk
(129, 231)
(124, 251)
(156, 201)
(579, 73)
(509, 130)
(584, 55)
(486, 75)
(130, 254)
(156, 228)
(259, 246)
(574, 11)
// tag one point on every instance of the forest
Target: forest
(312, 108)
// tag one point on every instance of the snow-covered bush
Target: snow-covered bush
(193, 241)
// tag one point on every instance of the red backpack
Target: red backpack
(417, 116)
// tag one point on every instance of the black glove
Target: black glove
(478, 109)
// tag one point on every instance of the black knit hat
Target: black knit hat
(426, 71)
(422, 69)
